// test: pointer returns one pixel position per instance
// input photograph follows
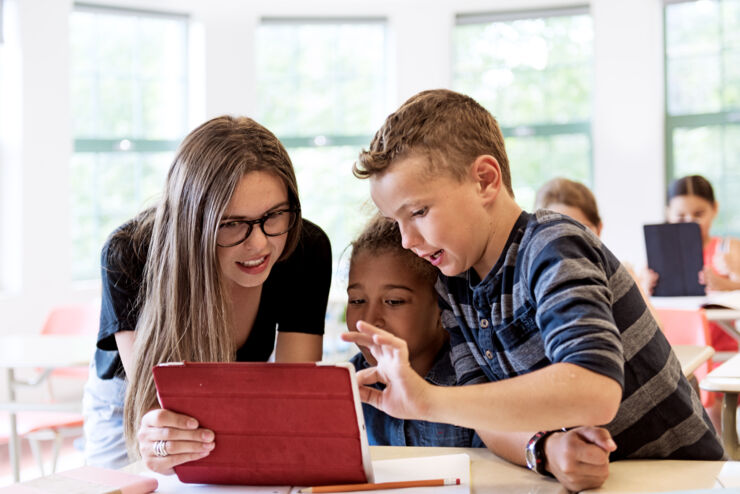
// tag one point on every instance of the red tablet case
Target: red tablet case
(275, 424)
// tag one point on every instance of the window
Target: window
(11, 83)
(533, 72)
(702, 45)
(3, 203)
(321, 88)
(129, 93)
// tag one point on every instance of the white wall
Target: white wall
(36, 146)
(628, 120)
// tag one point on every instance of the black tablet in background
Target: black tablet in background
(674, 251)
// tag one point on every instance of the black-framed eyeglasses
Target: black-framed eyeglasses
(272, 224)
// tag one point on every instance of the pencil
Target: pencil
(382, 485)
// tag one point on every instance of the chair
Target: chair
(37, 426)
(688, 327)
(83, 318)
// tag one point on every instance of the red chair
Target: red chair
(82, 318)
(688, 327)
(37, 426)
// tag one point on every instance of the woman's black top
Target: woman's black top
(294, 298)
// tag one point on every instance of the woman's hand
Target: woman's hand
(183, 440)
(579, 458)
(405, 393)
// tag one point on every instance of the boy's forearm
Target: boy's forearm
(507, 445)
(560, 395)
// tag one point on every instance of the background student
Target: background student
(691, 199)
(574, 199)
(571, 198)
(533, 303)
(207, 276)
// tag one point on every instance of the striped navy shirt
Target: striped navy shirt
(557, 294)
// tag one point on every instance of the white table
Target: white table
(38, 351)
(726, 379)
(490, 474)
(725, 318)
(692, 356)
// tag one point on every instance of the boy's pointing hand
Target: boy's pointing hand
(404, 395)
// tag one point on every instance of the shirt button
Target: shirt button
(489, 354)
(484, 323)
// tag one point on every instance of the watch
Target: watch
(535, 453)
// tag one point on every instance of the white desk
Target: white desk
(725, 318)
(490, 474)
(726, 379)
(692, 356)
(38, 351)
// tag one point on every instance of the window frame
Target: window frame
(91, 145)
(540, 129)
(129, 143)
(325, 140)
(688, 121)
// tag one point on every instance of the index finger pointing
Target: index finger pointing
(357, 338)
(367, 328)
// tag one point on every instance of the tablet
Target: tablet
(275, 424)
(674, 251)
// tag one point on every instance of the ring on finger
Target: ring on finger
(160, 448)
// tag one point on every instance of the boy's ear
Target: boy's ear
(486, 172)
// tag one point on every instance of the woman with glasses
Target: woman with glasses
(223, 269)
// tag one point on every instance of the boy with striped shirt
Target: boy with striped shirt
(548, 330)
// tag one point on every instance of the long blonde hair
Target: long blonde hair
(185, 311)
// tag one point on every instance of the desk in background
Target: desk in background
(38, 351)
(726, 379)
(725, 317)
(692, 357)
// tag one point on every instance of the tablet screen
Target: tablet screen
(674, 251)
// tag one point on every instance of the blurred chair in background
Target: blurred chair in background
(34, 423)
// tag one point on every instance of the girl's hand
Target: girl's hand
(183, 440)
(715, 282)
(726, 259)
(579, 458)
(647, 279)
(405, 393)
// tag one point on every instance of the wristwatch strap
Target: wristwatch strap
(535, 453)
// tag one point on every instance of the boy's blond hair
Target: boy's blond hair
(449, 128)
(574, 194)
